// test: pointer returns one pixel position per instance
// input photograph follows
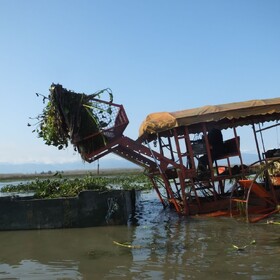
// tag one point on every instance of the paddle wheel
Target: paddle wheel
(260, 192)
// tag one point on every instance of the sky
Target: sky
(155, 55)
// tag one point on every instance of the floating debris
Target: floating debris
(242, 248)
(127, 245)
(271, 222)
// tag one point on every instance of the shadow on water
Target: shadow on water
(161, 245)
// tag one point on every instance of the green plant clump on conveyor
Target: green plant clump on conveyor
(65, 187)
(75, 118)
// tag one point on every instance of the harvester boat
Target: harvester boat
(177, 153)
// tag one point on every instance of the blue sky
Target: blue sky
(155, 55)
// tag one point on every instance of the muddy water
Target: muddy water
(160, 246)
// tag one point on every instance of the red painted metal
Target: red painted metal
(172, 167)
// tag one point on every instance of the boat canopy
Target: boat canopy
(224, 115)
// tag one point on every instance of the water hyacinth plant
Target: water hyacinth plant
(71, 187)
(71, 117)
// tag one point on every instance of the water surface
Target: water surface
(160, 246)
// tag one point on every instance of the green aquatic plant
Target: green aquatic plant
(70, 187)
(71, 117)
(242, 248)
(127, 245)
(271, 222)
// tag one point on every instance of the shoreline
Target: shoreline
(69, 173)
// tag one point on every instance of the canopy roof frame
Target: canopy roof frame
(224, 116)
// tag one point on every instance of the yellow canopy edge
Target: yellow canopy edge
(157, 122)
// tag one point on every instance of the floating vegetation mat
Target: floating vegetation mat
(75, 118)
(70, 187)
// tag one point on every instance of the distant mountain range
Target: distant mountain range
(31, 168)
